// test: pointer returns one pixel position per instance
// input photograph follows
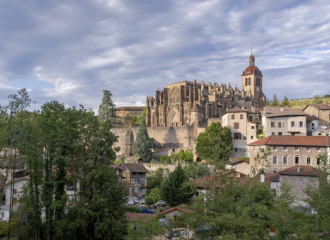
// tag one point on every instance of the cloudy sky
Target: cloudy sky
(73, 49)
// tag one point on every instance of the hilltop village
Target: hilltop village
(262, 171)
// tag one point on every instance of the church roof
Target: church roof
(197, 108)
(252, 70)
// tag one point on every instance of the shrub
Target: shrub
(165, 159)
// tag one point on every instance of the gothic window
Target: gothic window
(246, 81)
(175, 95)
(249, 81)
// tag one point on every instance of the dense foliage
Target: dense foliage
(143, 144)
(107, 109)
(176, 189)
(215, 143)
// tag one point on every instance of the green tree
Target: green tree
(143, 144)
(185, 155)
(99, 212)
(153, 197)
(176, 189)
(317, 99)
(165, 159)
(107, 109)
(285, 102)
(155, 179)
(196, 170)
(275, 102)
(215, 143)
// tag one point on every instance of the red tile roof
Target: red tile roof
(181, 208)
(144, 217)
(252, 70)
(300, 170)
(284, 140)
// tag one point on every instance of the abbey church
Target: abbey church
(178, 113)
(174, 105)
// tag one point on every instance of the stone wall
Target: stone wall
(165, 139)
(298, 185)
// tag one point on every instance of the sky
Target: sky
(72, 50)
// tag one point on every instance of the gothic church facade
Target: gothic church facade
(188, 103)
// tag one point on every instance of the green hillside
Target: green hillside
(301, 103)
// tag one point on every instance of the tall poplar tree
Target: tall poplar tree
(107, 109)
(143, 144)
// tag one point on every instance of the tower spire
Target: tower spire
(251, 50)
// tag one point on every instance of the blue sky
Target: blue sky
(71, 50)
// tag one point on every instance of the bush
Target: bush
(175, 157)
(133, 209)
(165, 159)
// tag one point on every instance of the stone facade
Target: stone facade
(322, 113)
(124, 111)
(173, 105)
(178, 113)
(288, 151)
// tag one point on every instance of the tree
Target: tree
(176, 189)
(165, 159)
(143, 144)
(215, 143)
(317, 99)
(153, 197)
(185, 155)
(99, 212)
(196, 170)
(155, 179)
(285, 102)
(274, 103)
(107, 109)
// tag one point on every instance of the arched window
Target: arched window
(249, 81)
(246, 81)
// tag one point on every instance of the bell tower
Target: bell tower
(252, 82)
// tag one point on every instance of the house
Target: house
(244, 125)
(288, 151)
(18, 184)
(240, 165)
(299, 177)
(120, 171)
(172, 212)
(284, 121)
(322, 112)
(135, 178)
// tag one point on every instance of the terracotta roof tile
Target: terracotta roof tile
(270, 112)
(181, 208)
(319, 106)
(144, 217)
(285, 140)
(273, 177)
(300, 170)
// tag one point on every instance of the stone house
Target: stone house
(135, 178)
(244, 125)
(124, 111)
(289, 151)
(322, 112)
(284, 121)
(299, 177)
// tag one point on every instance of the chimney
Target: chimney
(281, 109)
(299, 169)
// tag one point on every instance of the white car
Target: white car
(159, 203)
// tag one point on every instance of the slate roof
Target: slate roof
(135, 167)
(304, 170)
(271, 112)
(285, 140)
(319, 106)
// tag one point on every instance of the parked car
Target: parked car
(159, 203)
(146, 210)
(135, 200)
(164, 222)
(140, 196)
(130, 203)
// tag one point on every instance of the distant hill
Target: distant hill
(301, 103)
